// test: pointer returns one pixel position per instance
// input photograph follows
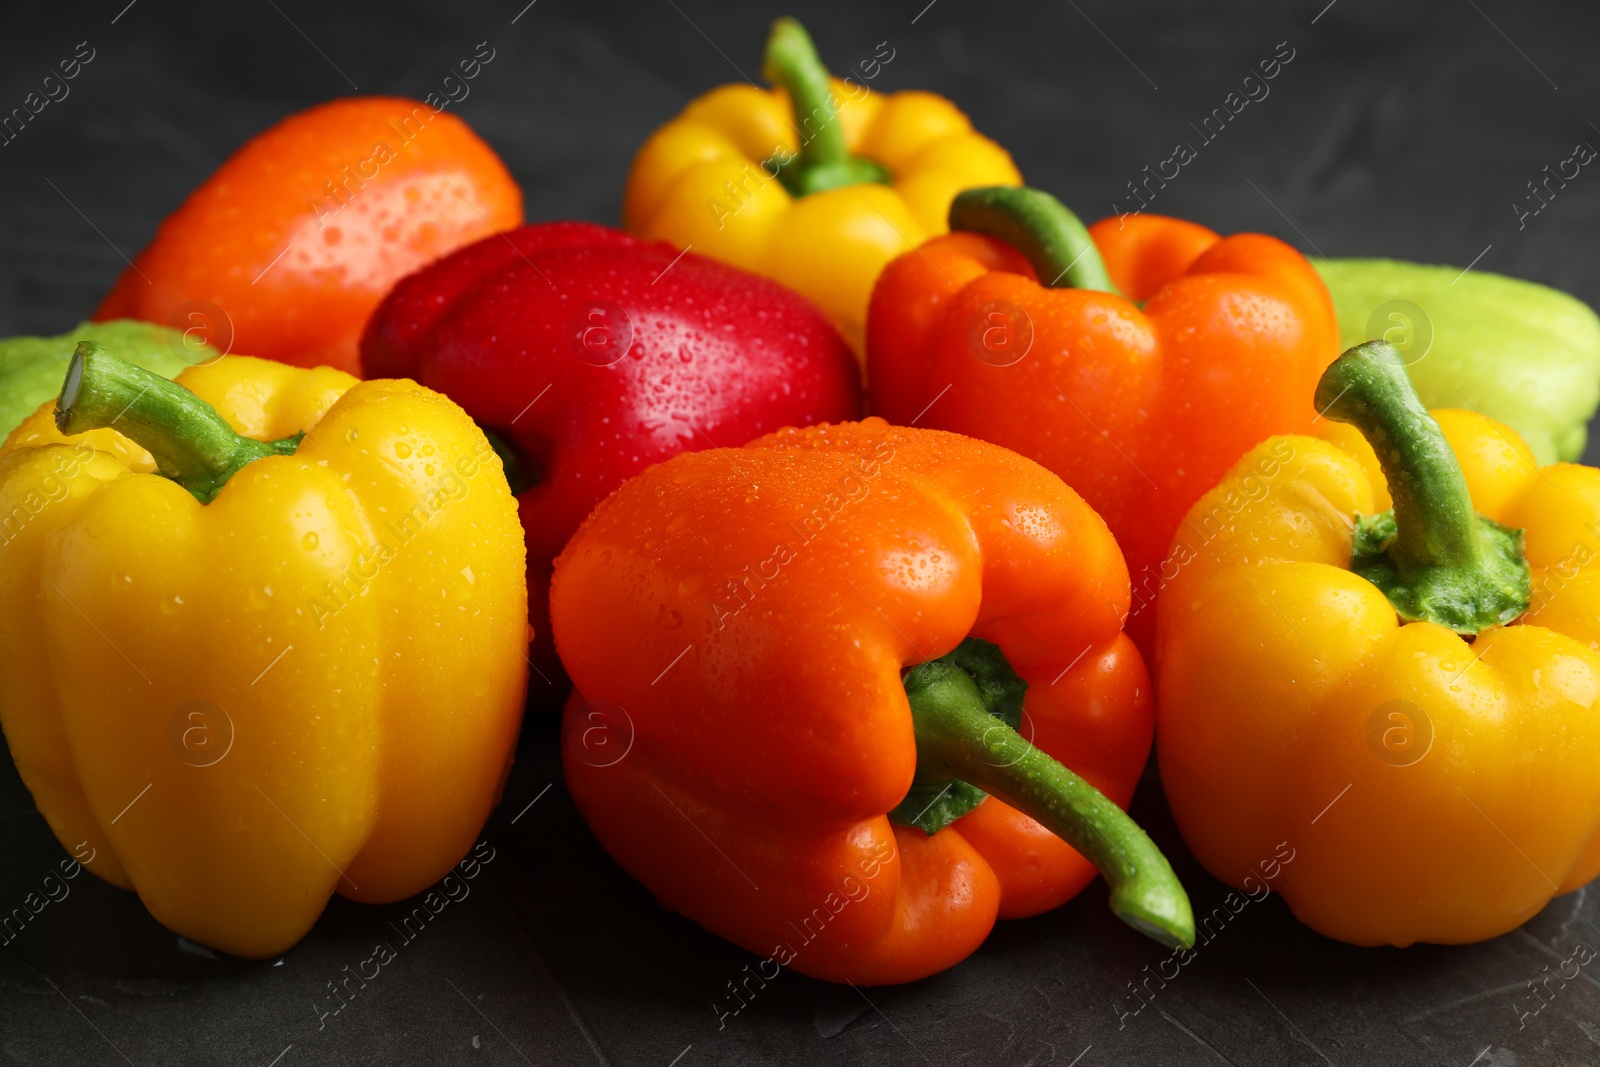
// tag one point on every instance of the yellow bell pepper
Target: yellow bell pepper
(819, 196)
(244, 666)
(1409, 698)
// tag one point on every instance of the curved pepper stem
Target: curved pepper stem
(823, 161)
(1039, 226)
(191, 443)
(964, 709)
(1433, 555)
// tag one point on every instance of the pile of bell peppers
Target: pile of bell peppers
(845, 673)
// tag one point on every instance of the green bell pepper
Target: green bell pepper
(32, 368)
(1522, 353)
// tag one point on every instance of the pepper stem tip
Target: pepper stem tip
(965, 707)
(191, 443)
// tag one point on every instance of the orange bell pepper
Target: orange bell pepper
(760, 762)
(1137, 359)
(287, 248)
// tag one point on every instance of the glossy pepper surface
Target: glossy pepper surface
(260, 649)
(1524, 354)
(1408, 697)
(793, 670)
(1138, 359)
(817, 183)
(287, 248)
(592, 354)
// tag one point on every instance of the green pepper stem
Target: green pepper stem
(823, 161)
(191, 443)
(1435, 521)
(959, 739)
(792, 62)
(1039, 226)
(1437, 559)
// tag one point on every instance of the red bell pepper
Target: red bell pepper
(589, 354)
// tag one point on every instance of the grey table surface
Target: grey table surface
(1399, 128)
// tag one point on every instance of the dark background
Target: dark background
(1402, 129)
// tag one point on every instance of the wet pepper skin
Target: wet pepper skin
(752, 673)
(1273, 658)
(301, 232)
(373, 701)
(524, 332)
(1139, 409)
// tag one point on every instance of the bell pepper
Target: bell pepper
(1410, 698)
(1524, 354)
(31, 368)
(590, 354)
(288, 247)
(1137, 359)
(801, 730)
(261, 641)
(817, 183)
